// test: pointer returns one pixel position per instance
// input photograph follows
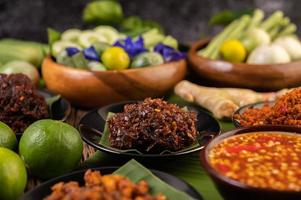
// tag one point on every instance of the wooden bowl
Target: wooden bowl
(259, 77)
(89, 89)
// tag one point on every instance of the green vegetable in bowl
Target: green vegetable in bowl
(88, 38)
(103, 12)
(147, 59)
(152, 37)
(171, 41)
(110, 33)
(64, 59)
(96, 66)
(100, 47)
(23, 67)
(71, 35)
(61, 45)
(79, 60)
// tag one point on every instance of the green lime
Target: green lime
(7, 137)
(13, 177)
(147, 59)
(50, 148)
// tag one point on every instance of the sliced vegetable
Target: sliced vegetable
(61, 45)
(110, 33)
(269, 54)
(292, 46)
(71, 35)
(170, 41)
(79, 60)
(88, 38)
(65, 59)
(152, 38)
(100, 47)
(96, 66)
(147, 59)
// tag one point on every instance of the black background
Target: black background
(184, 19)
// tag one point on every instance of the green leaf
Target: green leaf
(105, 141)
(136, 172)
(227, 16)
(53, 36)
(50, 101)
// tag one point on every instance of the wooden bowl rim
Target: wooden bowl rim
(234, 183)
(199, 44)
(49, 59)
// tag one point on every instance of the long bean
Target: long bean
(236, 33)
(218, 39)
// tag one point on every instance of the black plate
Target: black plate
(92, 124)
(60, 110)
(242, 109)
(44, 189)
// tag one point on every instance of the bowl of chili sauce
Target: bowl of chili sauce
(260, 162)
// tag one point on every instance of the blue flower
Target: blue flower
(91, 54)
(132, 47)
(71, 51)
(169, 53)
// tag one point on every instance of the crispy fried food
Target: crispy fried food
(107, 187)
(153, 126)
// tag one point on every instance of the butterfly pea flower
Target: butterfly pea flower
(91, 54)
(71, 51)
(132, 47)
(169, 53)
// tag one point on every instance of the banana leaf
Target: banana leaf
(136, 172)
(106, 142)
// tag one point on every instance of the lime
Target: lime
(147, 59)
(13, 177)
(50, 148)
(115, 58)
(233, 51)
(7, 137)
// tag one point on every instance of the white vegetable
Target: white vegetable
(254, 38)
(269, 54)
(292, 46)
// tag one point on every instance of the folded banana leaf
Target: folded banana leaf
(106, 142)
(136, 172)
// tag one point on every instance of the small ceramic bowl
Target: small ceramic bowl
(234, 190)
(89, 89)
(242, 109)
(260, 77)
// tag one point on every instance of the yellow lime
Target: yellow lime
(50, 148)
(233, 51)
(115, 58)
(7, 137)
(13, 177)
